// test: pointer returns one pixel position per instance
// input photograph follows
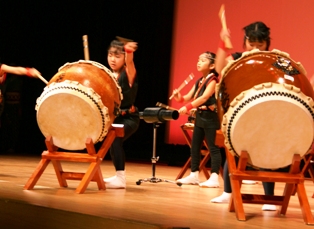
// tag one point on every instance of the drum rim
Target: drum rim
(291, 92)
(87, 93)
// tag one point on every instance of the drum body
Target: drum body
(81, 101)
(265, 105)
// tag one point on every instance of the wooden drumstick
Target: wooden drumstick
(222, 17)
(158, 104)
(42, 79)
(85, 46)
(123, 40)
(185, 82)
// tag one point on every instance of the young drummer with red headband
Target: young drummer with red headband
(202, 97)
(120, 59)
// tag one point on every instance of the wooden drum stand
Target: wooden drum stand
(93, 172)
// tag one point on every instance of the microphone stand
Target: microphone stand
(153, 178)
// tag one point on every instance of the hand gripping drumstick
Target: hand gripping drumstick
(222, 17)
(85, 46)
(185, 82)
(158, 104)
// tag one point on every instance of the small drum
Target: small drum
(266, 106)
(81, 101)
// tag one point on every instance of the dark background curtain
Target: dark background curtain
(48, 34)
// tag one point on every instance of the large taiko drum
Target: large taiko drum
(81, 101)
(266, 108)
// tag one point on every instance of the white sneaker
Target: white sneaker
(109, 179)
(249, 182)
(269, 207)
(223, 198)
(190, 179)
(116, 182)
(212, 182)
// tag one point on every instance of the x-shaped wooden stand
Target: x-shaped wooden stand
(93, 172)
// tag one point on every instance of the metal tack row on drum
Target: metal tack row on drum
(80, 101)
(265, 104)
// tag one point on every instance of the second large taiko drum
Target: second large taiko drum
(265, 104)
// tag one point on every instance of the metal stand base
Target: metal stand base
(154, 179)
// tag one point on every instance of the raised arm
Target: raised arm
(20, 70)
(130, 48)
(223, 53)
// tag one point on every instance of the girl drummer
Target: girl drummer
(202, 97)
(120, 59)
(256, 36)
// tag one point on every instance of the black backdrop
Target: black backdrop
(48, 34)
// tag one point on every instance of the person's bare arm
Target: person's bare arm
(222, 54)
(130, 48)
(20, 70)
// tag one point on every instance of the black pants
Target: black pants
(197, 141)
(131, 124)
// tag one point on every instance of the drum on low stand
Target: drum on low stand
(265, 104)
(80, 101)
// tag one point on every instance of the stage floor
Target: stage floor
(149, 205)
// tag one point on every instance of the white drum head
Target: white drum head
(71, 113)
(272, 122)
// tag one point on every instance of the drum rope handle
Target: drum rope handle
(299, 64)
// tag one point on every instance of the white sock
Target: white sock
(190, 179)
(212, 182)
(195, 174)
(223, 198)
(110, 178)
(213, 177)
(118, 181)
